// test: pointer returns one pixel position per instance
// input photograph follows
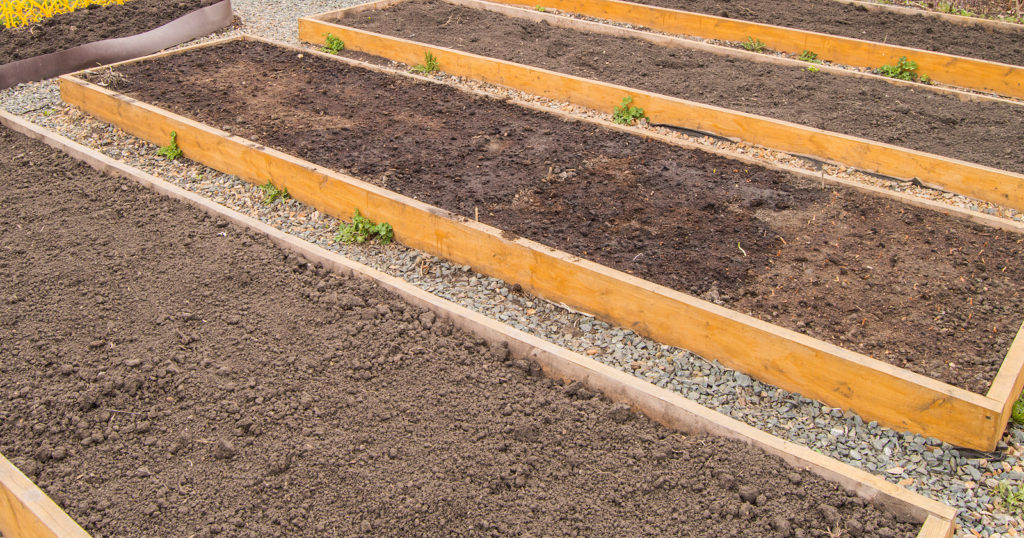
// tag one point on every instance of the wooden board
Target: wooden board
(664, 406)
(877, 390)
(26, 512)
(985, 183)
(975, 74)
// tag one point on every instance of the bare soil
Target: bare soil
(908, 286)
(830, 17)
(93, 23)
(167, 374)
(988, 133)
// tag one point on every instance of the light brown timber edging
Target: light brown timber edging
(998, 186)
(972, 73)
(25, 511)
(877, 390)
(661, 405)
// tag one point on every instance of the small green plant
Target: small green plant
(1011, 497)
(753, 45)
(540, 8)
(1017, 413)
(810, 57)
(904, 70)
(626, 113)
(272, 193)
(363, 229)
(332, 44)
(812, 69)
(171, 151)
(429, 64)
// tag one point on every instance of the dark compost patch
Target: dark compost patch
(94, 23)
(909, 286)
(988, 133)
(830, 17)
(166, 374)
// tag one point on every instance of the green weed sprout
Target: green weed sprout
(333, 44)
(626, 113)
(171, 151)
(429, 64)
(363, 229)
(272, 193)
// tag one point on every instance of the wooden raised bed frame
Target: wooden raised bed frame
(25, 511)
(971, 73)
(877, 390)
(978, 181)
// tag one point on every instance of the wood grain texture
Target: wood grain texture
(841, 378)
(26, 512)
(985, 183)
(975, 74)
(666, 407)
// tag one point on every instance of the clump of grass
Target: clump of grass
(540, 8)
(171, 151)
(429, 64)
(812, 69)
(1017, 413)
(1012, 498)
(903, 70)
(753, 45)
(626, 113)
(271, 193)
(332, 44)
(810, 57)
(363, 229)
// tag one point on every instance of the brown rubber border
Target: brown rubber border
(893, 396)
(661, 405)
(195, 24)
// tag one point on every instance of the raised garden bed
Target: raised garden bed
(104, 34)
(860, 271)
(972, 73)
(960, 36)
(238, 388)
(988, 133)
(992, 184)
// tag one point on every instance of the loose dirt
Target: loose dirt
(94, 23)
(166, 374)
(831, 17)
(908, 286)
(988, 133)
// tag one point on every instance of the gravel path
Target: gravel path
(961, 478)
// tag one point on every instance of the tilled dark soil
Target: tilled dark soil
(166, 374)
(830, 17)
(986, 133)
(94, 23)
(906, 285)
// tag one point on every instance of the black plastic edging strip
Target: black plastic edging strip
(195, 24)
